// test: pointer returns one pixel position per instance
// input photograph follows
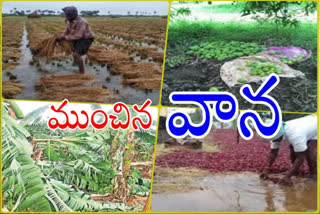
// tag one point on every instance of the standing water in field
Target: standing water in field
(224, 176)
(29, 74)
(25, 73)
(231, 192)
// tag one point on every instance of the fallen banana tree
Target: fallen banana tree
(72, 170)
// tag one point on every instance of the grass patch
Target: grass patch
(183, 34)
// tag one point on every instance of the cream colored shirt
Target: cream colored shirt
(298, 132)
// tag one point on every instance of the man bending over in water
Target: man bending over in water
(79, 33)
(301, 135)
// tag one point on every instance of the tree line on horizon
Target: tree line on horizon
(46, 12)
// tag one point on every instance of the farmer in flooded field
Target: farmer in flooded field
(79, 33)
(301, 135)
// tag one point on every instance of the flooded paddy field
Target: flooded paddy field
(123, 64)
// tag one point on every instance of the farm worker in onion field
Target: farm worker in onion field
(79, 33)
(301, 135)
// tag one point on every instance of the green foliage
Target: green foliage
(51, 154)
(145, 136)
(285, 60)
(16, 110)
(23, 188)
(282, 13)
(214, 89)
(141, 186)
(73, 165)
(179, 12)
(194, 32)
(184, 34)
(262, 69)
(241, 80)
(141, 190)
(176, 61)
(235, 7)
(240, 68)
(221, 50)
(65, 199)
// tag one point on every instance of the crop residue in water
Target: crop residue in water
(125, 88)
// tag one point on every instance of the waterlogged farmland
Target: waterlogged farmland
(123, 64)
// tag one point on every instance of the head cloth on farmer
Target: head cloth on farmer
(70, 11)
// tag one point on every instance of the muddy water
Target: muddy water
(29, 75)
(234, 192)
(137, 58)
(132, 42)
(135, 55)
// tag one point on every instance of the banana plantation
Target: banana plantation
(89, 170)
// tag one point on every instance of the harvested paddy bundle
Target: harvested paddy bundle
(69, 80)
(74, 87)
(51, 46)
(146, 84)
(9, 89)
(7, 67)
(142, 75)
(110, 56)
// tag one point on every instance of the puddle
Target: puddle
(145, 44)
(138, 58)
(29, 75)
(232, 192)
(133, 42)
